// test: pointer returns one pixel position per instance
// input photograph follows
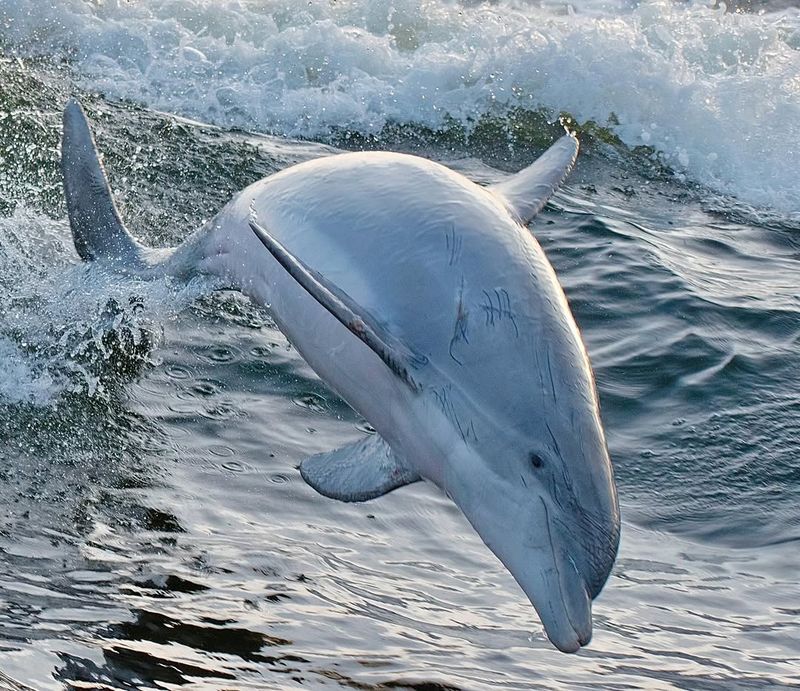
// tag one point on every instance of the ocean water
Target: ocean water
(155, 532)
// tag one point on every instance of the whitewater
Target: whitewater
(713, 94)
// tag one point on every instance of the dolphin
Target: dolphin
(422, 300)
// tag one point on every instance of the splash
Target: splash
(72, 328)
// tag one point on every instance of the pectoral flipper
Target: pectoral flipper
(360, 471)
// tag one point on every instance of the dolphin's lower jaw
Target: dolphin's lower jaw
(574, 565)
(557, 588)
(559, 624)
(545, 552)
(563, 603)
(583, 553)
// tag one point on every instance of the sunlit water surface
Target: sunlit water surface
(155, 532)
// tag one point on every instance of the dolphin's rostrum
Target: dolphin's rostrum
(422, 300)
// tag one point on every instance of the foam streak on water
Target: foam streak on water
(716, 94)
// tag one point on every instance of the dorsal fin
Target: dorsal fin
(360, 323)
(97, 229)
(526, 193)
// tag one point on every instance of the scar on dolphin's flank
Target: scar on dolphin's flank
(502, 310)
(466, 431)
(460, 326)
(454, 244)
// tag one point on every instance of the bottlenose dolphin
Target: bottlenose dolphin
(424, 302)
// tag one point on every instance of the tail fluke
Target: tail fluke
(97, 228)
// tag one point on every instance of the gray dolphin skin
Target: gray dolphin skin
(423, 301)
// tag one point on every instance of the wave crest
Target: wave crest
(716, 94)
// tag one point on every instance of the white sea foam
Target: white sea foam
(717, 94)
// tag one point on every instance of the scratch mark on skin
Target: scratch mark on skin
(441, 398)
(448, 409)
(488, 310)
(502, 310)
(507, 310)
(550, 374)
(538, 368)
(571, 498)
(454, 244)
(565, 496)
(471, 431)
(465, 432)
(556, 447)
(460, 326)
(522, 477)
(556, 494)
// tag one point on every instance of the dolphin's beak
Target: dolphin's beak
(557, 590)
(541, 550)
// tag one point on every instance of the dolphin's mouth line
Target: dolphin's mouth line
(558, 574)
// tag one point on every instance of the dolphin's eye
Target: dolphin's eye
(536, 460)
